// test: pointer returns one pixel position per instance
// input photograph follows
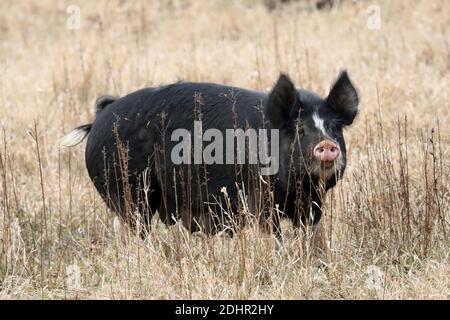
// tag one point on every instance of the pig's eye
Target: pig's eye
(332, 128)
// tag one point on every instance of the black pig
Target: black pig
(130, 152)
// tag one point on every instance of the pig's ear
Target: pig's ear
(282, 99)
(343, 98)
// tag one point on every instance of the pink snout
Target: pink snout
(326, 151)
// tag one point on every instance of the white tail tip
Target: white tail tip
(74, 137)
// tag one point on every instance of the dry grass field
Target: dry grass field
(385, 231)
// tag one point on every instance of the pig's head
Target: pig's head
(311, 128)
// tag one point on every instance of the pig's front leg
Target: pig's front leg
(271, 223)
(308, 213)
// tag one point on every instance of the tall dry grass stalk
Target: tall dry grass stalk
(385, 230)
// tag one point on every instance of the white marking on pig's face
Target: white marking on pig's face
(319, 123)
(317, 170)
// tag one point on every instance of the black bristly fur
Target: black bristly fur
(142, 122)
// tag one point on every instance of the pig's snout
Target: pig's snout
(326, 151)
